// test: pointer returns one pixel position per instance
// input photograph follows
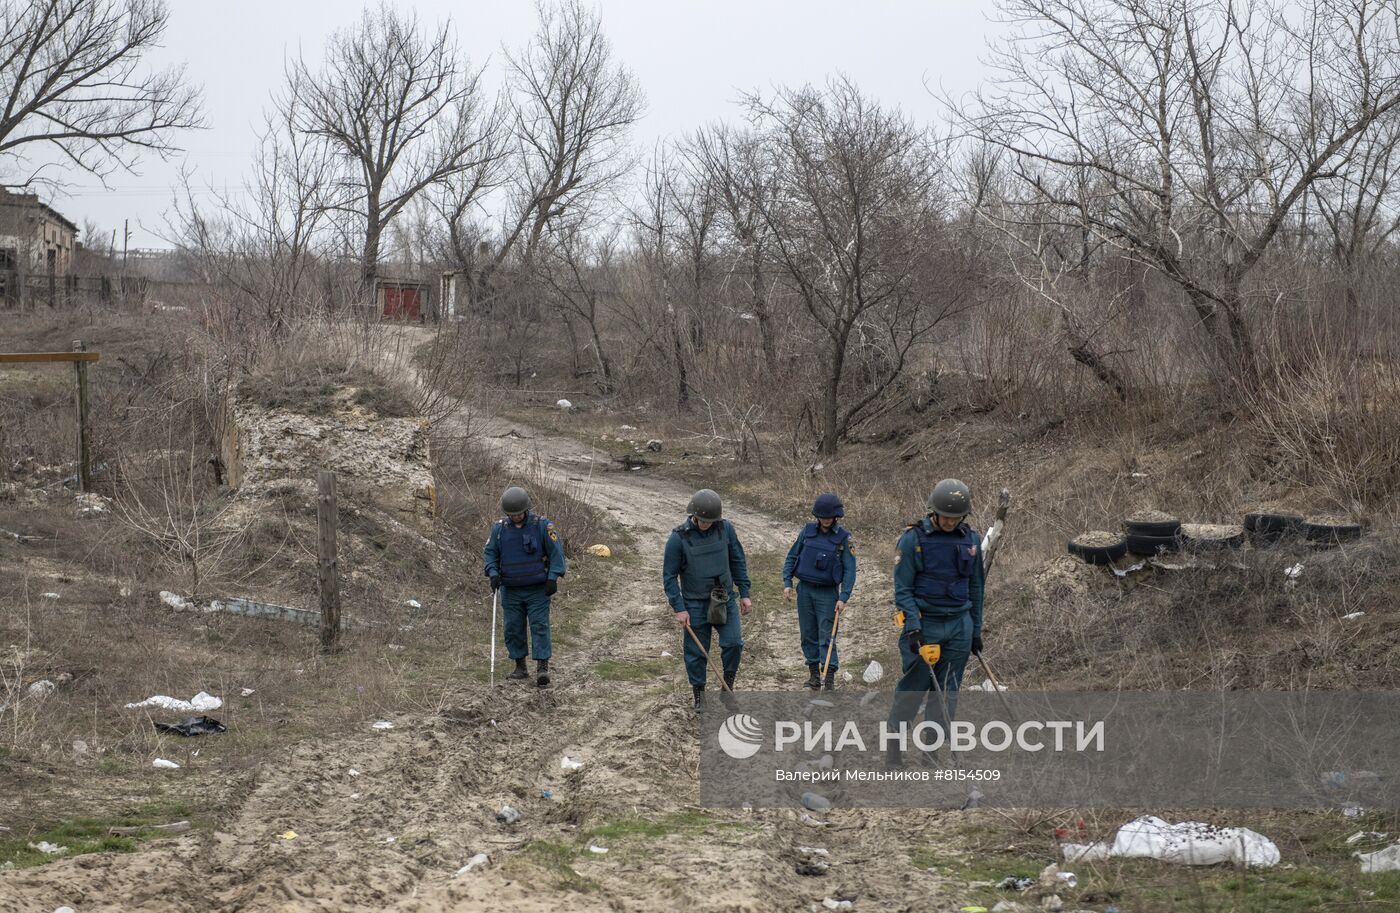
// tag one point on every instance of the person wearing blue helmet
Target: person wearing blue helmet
(823, 563)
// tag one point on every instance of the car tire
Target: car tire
(1152, 528)
(1152, 545)
(1098, 554)
(1265, 529)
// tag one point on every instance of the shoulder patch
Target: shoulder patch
(553, 533)
(851, 546)
(898, 556)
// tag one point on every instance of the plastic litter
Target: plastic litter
(1352, 810)
(413, 604)
(193, 725)
(41, 688)
(546, 794)
(833, 904)
(175, 600)
(163, 764)
(64, 910)
(600, 550)
(288, 835)
(1085, 852)
(1350, 615)
(564, 404)
(665, 654)
(247, 692)
(1193, 843)
(873, 672)
(354, 772)
(49, 595)
(1367, 836)
(508, 815)
(1016, 883)
(480, 860)
(1293, 572)
(594, 848)
(202, 702)
(816, 802)
(1386, 860)
(382, 724)
(48, 849)
(813, 851)
(569, 763)
(987, 685)
(1068, 879)
(810, 821)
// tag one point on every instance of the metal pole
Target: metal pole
(495, 596)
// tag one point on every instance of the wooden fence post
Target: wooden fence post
(328, 571)
(84, 438)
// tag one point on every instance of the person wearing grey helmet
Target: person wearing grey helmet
(702, 571)
(524, 559)
(938, 591)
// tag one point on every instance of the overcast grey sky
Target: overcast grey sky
(692, 58)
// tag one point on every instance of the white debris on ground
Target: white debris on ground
(48, 849)
(986, 685)
(479, 861)
(175, 600)
(1350, 615)
(164, 764)
(382, 724)
(508, 815)
(49, 595)
(595, 848)
(247, 692)
(413, 604)
(1366, 836)
(1186, 843)
(41, 688)
(1386, 860)
(873, 672)
(564, 404)
(203, 701)
(1293, 572)
(569, 763)
(833, 904)
(92, 503)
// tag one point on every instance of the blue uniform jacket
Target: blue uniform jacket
(907, 566)
(553, 546)
(848, 566)
(674, 562)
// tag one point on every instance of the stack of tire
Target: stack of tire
(1211, 537)
(1098, 547)
(1152, 535)
(1266, 529)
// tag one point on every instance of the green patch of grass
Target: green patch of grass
(90, 835)
(686, 822)
(556, 859)
(613, 670)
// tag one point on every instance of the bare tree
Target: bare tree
(579, 272)
(72, 82)
(1184, 133)
(572, 106)
(402, 110)
(263, 248)
(852, 212)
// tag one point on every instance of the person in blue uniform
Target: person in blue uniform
(524, 558)
(823, 561)
(702, 572)
(938, 589)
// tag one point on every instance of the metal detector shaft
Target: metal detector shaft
(495, 596)
(724, 685)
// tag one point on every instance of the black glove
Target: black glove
(977, 643)
(915, 639)
(495, 582)
(551, 587)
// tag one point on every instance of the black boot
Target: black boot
(727, 695)
(893, 756)
(830, 679)
(814, 676)
(520, 672)
(542, 673)
(699, 695)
